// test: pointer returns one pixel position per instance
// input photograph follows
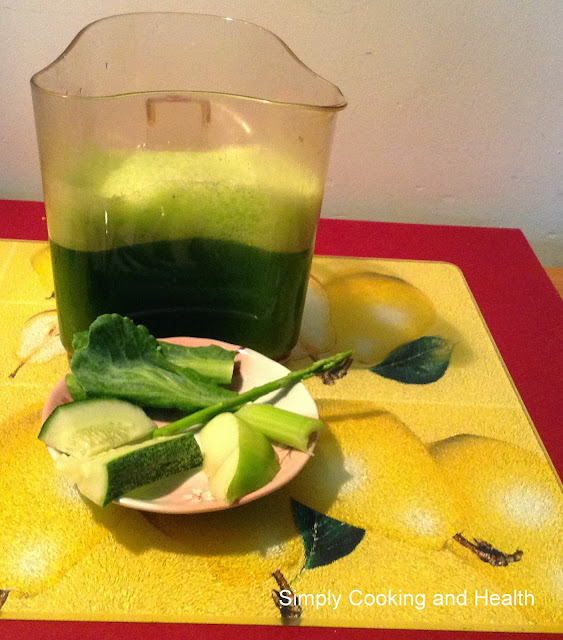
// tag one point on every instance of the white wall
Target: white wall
(455, 109)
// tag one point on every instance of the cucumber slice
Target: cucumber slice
(112, 474)
(87, 427)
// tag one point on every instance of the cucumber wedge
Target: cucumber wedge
(87, 427)
(110, 475)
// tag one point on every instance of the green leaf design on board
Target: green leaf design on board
(421, 361)
(325, 539)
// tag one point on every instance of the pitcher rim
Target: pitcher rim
(337, 106)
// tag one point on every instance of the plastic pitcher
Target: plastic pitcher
(183, 159)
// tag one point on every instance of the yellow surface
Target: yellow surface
(377, 466)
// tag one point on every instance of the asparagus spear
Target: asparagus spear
(193, 421)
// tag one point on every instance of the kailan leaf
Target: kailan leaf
(212, 361)
(421, 361)
(75, 388)
(123, 360)
(80, 340)
(324, 538)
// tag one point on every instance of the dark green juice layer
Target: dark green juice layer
(196, 287)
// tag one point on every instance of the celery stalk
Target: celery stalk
(279, 425)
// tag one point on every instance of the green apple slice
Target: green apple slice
(237, 459)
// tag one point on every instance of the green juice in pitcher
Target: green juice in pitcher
(215, 244)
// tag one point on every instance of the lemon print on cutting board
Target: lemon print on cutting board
(370, 313)
(383, 477)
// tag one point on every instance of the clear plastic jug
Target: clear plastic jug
(183, 159)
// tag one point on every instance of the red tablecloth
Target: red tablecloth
(520, 306)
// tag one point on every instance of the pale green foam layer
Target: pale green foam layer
(242, 194)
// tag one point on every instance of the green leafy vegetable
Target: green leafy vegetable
(75, 388)
(120, 359)
(324, 538)
(332, 367)
(212, 361)
(421, 361)
(80, 340)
